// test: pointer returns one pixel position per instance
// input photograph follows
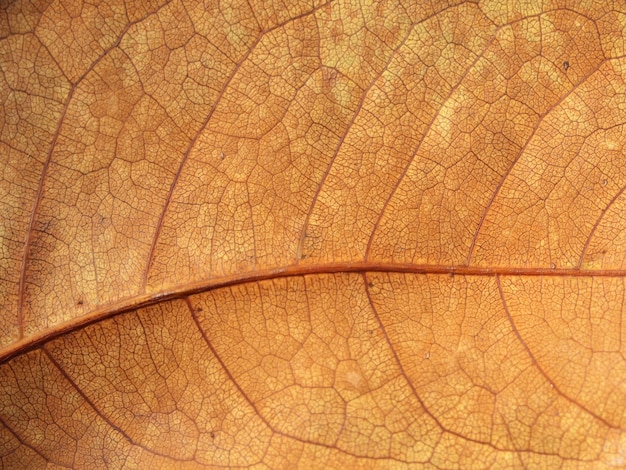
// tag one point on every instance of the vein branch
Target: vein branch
(538, 366)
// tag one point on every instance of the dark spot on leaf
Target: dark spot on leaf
(45, 226)
(566, 65)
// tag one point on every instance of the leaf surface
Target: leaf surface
(330, 235)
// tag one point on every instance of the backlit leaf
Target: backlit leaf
(312, 234)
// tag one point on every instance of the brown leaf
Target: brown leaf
(317, 235)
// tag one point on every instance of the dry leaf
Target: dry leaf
(315, 235)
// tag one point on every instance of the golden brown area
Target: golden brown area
(312, 234)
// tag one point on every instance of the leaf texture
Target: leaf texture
(312, 234)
